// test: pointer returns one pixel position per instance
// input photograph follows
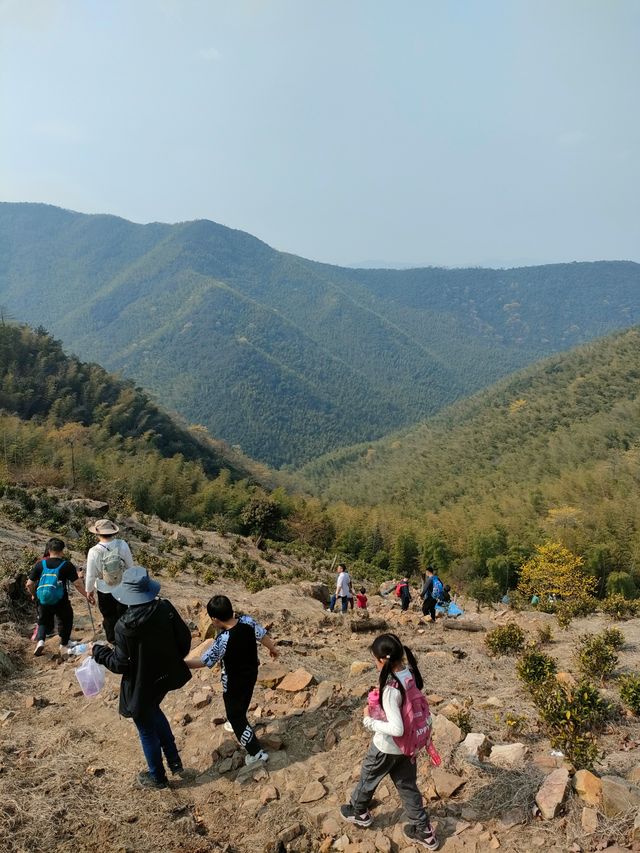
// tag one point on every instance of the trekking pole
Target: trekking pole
(93, 627)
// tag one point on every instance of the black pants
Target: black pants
(429, 608)
(111, 611)
(237, 699)
(63, 613)
(405, 603)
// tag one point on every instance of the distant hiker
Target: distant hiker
(432, 592)
(343, 584)
(151, 642)
(403, 592)
(236, 650)
(47, 585)
(390, 754)
(361, 599)
(106, 563)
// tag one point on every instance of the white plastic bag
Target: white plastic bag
(91, 677)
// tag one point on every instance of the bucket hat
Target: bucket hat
(104, 527)
(136, 587)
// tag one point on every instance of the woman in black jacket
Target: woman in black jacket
(151, 642)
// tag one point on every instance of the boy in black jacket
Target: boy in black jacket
(151, 643)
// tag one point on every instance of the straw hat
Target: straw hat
(104, 527)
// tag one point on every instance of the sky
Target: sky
(391, 132)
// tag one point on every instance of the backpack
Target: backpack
(112, 566)
(50, 588)
(416, 719)
(437, 590)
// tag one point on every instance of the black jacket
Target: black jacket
(151, 643)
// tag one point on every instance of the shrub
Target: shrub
(630, 692)
(534, 667)
(619, 607)
(515, 725)
(613, 637)
(505, 640)
(462, 717)
(484, 591)
(621, 583)
(595, 657)
(544, 635)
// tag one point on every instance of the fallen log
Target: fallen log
(362, 625)
(463, 626)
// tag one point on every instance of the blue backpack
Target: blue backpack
(50, 588)
(437, 590)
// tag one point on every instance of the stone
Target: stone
(492, 702)
(6, 715)
(514, 817)
(494, 844)
(291, 832)
(271, 742)
(326, 845)
(476, 745)
(360, 666)
(635, 835)
(206, 628)
(296, 681)
(383, 844)
(508, 755)
(201, 700)
(324, 694)
(589, 820)
(634, 775)
(434, 699)
(588, 787)
(552, 793)
(319, 591)
(182, 719)
(269, 794)
(618, 796)
(446, 736)
(313, 792)
(300, 699)
(446, 784)
(270, 675)
(331, 827)
(31, 702)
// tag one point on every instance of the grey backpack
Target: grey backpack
(112, 566)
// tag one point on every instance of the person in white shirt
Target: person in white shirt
(101, 555)
(343, 586)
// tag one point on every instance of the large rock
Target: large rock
(270, 675)
(206, 628)
(552, 793)
(313, 792)
(588, 787)
(476, 745)
(445, 783)
(446, 736)
(319, 591)
(295, 681)
(360, 666)
(97, 509)
(618, 796)
(508, 755)
(324, 693)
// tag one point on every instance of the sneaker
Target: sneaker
(348, 813)
(259, 756)
(146, 780)
(424, 837)
(39, 649)
(228, 727)
(179, 770)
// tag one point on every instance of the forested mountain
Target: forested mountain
(553, 451)
(286, 357)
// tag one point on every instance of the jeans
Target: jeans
(344, 602)
(402, 770)
(64, 615)
(156, 737)
(111, 610)
(236, 704)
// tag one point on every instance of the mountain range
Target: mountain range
(286, 357)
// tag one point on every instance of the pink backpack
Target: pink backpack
(416, 719)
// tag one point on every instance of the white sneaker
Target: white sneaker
(259, 756)
(228, 727)
(39, 648)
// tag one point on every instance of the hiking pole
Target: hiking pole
(93, 627)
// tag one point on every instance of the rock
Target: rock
(331, 827)
(201, 700)
(445, 783)
(270, 676)
(97, 509)
(291, 832)
(269, 794)
(618, 796)
(588, 787)
(6, 715)
(508, 755)
(296, 681)
(313, 792)
(494, 844)
(492, 702)
(552, 793)
(95, 771)
(300, 699)
(324, 693)
(360, 666)
(31, 702)
(589, 820)
(435, 699)
(476, 745)
(326, 845)
(636, 828)
(446, 736)
(271, 742)
(634, 775)
(318, 591)
(383, 844)
(206, 628)
(182, 719)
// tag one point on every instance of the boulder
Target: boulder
(446, 784)
(589, 820)
(476, 745)
(588, 787)
(270, 675)
(296, 681)
(552, 793)
(360, 666)
(318, 591)
(446, 736)
(508, 755)
(323, 695)
(313, 792)
(206, 628)
(97, 509)
(618, 796)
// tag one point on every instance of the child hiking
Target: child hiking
(397, 704)
(403, 592)
(236, 650)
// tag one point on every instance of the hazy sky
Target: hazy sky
(406, 131)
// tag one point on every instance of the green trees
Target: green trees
(405, 556)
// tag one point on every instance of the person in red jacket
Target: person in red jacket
(361, 599)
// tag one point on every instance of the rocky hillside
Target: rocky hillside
(68, 763)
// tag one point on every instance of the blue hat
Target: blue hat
(136, 587)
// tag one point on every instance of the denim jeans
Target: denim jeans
(344, 602)
(156, 737)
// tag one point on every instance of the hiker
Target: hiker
(236, 650)
(47, 585)
(151, 643)
(431, 594)
(343, 583)
(403, 592)
(399, 677)
(106, 563)
(361, 599)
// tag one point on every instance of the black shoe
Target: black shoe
(423, 837)
(348, 813)
(146, 780)
(179, 770)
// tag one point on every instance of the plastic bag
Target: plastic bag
(91, 677)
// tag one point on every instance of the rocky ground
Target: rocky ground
(68, 763)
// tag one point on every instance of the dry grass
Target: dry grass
(508, 792)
